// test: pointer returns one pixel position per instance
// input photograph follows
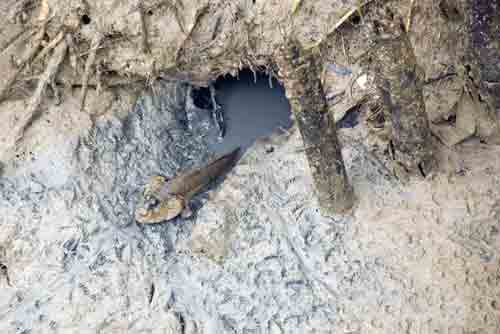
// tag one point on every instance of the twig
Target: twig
(199, 14)
(340, 22)
(47, 77)
(347, 15)
(43, 19)
(90, 61)
(52, 44)
(144, 31)
(44, 10)
(296, 5)
(73, 59)
(14, 38)
(217, 113)
(439, 77)
(408, 19)
(178, 16)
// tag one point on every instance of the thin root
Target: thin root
(217, 112)
(46, 79)
(199, 14)
(73, 59)
(90, 62)
(144, 31)
(43, 19)
(408, 19)
(340, 22)
(296, 5)
(52, 44)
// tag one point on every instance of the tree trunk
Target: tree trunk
(305, 92)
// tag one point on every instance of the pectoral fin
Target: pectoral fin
(187, 212)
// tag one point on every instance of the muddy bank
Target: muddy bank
(257, 256)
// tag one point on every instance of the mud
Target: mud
(257, 257)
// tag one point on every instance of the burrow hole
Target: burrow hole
(251, 107)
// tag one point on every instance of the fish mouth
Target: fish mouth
(141, 215)
(146, 209)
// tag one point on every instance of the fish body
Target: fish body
(164, 199)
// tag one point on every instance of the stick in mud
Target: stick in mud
(304, 90)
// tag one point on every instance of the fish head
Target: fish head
(152, 210)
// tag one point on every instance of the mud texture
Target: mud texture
(257, 257)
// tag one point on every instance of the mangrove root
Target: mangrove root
(399, 82)
(305, 92)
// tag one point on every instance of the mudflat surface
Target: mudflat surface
(257, 257)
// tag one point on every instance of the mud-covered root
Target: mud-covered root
(45, 80)
(96, 41)
(399, 82)
(301, 77)
(31, 50)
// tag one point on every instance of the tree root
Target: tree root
(49, 47)
(305, 92)
(43, 19)
(217, 114)
(96, 41)
(144, 30)
(46, 79)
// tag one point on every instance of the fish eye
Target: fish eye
(151, 202)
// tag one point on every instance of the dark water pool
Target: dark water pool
(251, 109)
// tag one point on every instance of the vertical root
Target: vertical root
(306, 95)
(96, 41)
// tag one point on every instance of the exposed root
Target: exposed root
(43, 19)
(347, 16)
(46, 79)
(408, 18)
(217, 113)
(55, 90)
(178, 15)
(14, 38)
(199, 14)
(51, 45)
(296, 5)
(144, 31)
(340, 22)
(73, 59)
(44, 10)
(96, 41)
